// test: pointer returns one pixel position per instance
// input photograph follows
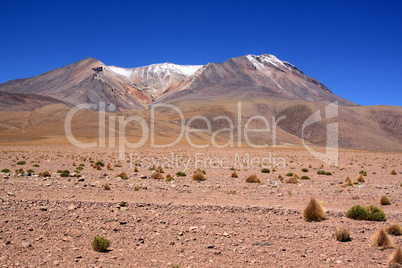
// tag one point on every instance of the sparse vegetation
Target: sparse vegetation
(5, 170)
(157, 175)
(265, 170)
(395, 229)
(393, 172)
(160, 170)
(123, 204)
(123, 175)
(99, 163)
(109, 167)
(65, 173)
(100, 244)
(362, 172)
(396, 257)
(136, 169)
(385, 200)
(321, 172)
(314, 211)
(21, 163)
(35, 165)
(305, 178)
(181, 174)
(253, 179)
(106, 186)
(293, 179)
(137, 187)
(381, 239)
(304, 170)
(169, 178)
(342, 234)
(357, 212)
(375, 213)
(280, 177)
(360, 178)
(328, 173)
(289, 174)
(198, 176)
(234, 174)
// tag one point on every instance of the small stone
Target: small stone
(210, 246)
(193, 228)
(26, 244)
(43, 208)
(56, 263)
(10, 193)
(378, 186)
(72, 207)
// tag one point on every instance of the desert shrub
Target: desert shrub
(21, 163)
(109, 166)
(314, 211)
(385, 200)
(304, 170)
(82, 165)
(321, 172)
(393, 172)
(30, 171)
(328, 173)
(100, 244)
(99, 163)
(396, 257)
(21, 170)
(305, 178)
(123, 204)
(375, 213)
(342, 234)
(381, 239)
(123, 175)
(65, 173)
(181, 174)
(5, 170)
(289, 174)
(137, 187)
(157, 175)
(118, 165)
(280, 177)
(79, 168)
(357, 212)
(265, 170)
(253, 179)
(59, 171)
(74, 164)
(46, 174)
(203, 171)
(234, 174)
(135, 169)
(360, 178)
(232, 168)
(362, 172)
(160, 169)
(106, 186)
(198, 176)
(36, 165)
(395, 229)
(169, 178)
(348, 181)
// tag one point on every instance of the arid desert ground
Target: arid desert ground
(219, 222)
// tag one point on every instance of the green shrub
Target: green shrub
(364, 173)
(305, 178)
(321, 172)
(5, 170)
(65, 173)
(36, 165)
(59, 171)
(30, 171)
(100, 244)
(79, 168)
(81, 165)
(181, 174)
(265, 170)
(304, 169)
(375, 213)
(328, 173)
(201, 170)
(100, 163)
(357, 213)
(21, 163)
(289, 174)
(232, 168)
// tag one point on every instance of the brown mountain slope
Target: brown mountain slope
(24, 102)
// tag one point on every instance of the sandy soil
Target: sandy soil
(220, 222)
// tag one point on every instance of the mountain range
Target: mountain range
(263, 84)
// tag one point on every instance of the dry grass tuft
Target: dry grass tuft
(385, 200)
(395, 229)
(198, 176)
(396, 257)
(294, 179)
(123, 175)
(169, 178)
(98, 167)
(109, 166)
(136, 169)
(157, 175)
(360, 178)
(253, 179)
(160, 169)
(393, 172)
(342, 234)
(234, 174)
(280, 177)
(348, 181)
(381, 239)
(314, 211)
(106, 186)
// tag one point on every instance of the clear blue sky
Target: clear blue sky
(353, 47)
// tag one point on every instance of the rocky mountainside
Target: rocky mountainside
(91, 81)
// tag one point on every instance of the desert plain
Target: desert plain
(222, 221)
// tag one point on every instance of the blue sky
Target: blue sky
(353, 47)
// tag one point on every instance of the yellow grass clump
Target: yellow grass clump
(360, 178)
(234, 174)
(342, 234)
(253, 179)
(198, 176)
(157, 175)
(314, 211)
(348, 181)
(385, 200)
(280, 177)
(106, 186)
(160, 170)
(136, 169)
(294, 179)
(395, 229)
(396, 257)
(393, 172)
(381, 239)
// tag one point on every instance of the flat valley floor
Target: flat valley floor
(220, 222)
